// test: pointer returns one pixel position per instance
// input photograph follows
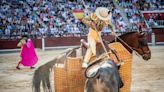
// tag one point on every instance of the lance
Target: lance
(101, 41)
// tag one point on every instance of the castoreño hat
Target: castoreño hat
(103, 13)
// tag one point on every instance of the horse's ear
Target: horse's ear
(141, 34)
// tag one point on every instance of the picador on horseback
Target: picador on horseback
(101, 73)
(96, 22)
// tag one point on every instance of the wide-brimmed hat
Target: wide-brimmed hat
(103, 13)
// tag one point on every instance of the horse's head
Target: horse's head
(140, 45)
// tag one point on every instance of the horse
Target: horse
(135, 41)
(132, 41)
(105, 77)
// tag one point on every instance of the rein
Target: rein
(124, 43)
(143, 52)
(133, 49)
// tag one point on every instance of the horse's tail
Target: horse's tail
(42, 75)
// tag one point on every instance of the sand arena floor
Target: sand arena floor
(148, 76)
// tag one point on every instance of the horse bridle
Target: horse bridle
(140, 47)
(135, 49)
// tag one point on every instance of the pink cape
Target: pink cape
(28, 54)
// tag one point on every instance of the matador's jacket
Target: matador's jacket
(100, 24)
(95, 28)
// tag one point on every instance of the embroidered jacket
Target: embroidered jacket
(100, 24)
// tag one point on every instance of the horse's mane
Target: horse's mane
(127, 33)
(122, 35)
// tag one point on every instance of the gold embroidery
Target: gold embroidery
(100, 24)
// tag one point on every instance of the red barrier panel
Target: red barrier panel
(65, 41)
(159, 34)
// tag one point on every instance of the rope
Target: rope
(124, 42)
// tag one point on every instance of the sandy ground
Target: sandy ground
(148, 76)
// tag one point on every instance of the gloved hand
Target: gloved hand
(114, 33)
(93, 24)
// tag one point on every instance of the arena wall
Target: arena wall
(159, 15)
(159, 34)
(58, 41)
